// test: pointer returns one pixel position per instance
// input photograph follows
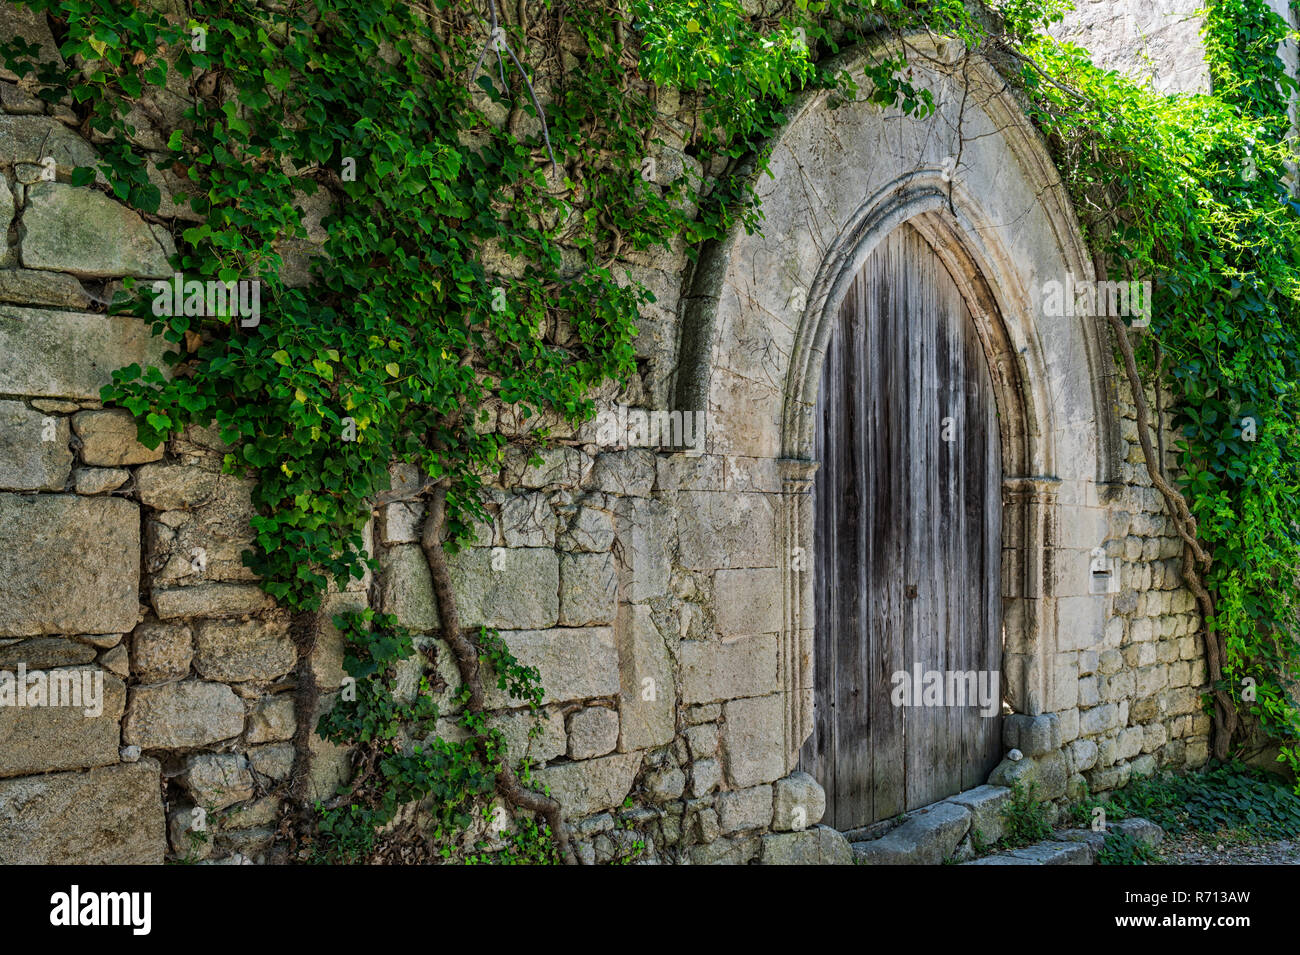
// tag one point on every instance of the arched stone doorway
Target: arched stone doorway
(975, 181)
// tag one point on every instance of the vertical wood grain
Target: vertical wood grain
(900, 511)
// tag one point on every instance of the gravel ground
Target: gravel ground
(1227, 848)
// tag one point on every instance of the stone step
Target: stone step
(1074, 846)
(927, 837)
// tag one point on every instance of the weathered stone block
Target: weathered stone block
(511, 588)
(714, 670)
(82, 231)
(217, 780)
(44, 653)
(515, 728)
(680, 472)
(630, 473)
(726, 530)
(30, 287)
(666, 783)
(647, 691)
(527, 520)
(1130, 742)
(161, 651)
(116, 660)
(706, 776)
(175, 487)
(17, 101)
(1089, 691)
(1047, 773)
(645, 530)
(328, 764)
(108, 439)
(7, 208)
(108, 816)
(798, 802)
(271, 719)
(985, 805)
(745, 808)
(188, 844)
(591, 785)
(753, 737)
(34, 454)
(1140, 829)
(1055, 853)
(588, 589)
(30, 139)
(1098, 720)
(1032, 735)
(182, 715)
(1114, 777)
(747, 601)
(820, 845)
(408, 588)
(590, 530)
(702, 740)
(78, 569)
(92, 481)
(564, 466)
(593, 732)
(210, 600)
(274, 761)
(81, 732)
(928, 837)
(574, 664)
(403, 523)
(232, 652)
(327, 654)
(1083, 754)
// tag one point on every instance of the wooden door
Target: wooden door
(907, 540)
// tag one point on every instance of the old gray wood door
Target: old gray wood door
(907, 540)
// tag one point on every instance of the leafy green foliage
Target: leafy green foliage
(1024, 817)
(1225, 796)
(1193, 192)
(1122, 849)
(407, 337)
(462, 271)
(401, 762)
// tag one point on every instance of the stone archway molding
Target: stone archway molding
(763, 306)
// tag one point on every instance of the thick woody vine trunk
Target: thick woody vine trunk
(467, 661)
(1195, 558)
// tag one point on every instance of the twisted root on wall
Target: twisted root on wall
(467, 662)
(1196, 560)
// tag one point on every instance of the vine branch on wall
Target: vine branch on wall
(1195, 559)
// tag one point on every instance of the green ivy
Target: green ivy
(1025, 817)
(400, 761)
(1225, 796)
(473, 264)
(1120, 848)
(1193, 191)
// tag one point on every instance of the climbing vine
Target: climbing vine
(1197, 193)
(401, 764)
(487, 166)
(465, 298)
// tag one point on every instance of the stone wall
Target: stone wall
(649, 587)
(1127, 702)
(1157, 40)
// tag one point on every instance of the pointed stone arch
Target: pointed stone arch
(976, 180)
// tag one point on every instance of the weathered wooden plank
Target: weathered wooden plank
(889, 531)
